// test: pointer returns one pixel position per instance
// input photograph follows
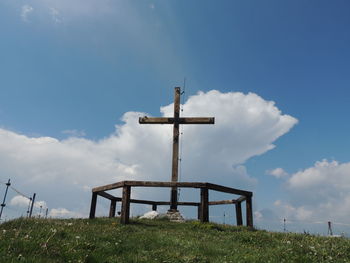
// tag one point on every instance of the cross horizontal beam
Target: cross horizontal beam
(165, 120)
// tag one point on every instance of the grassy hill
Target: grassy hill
(105, 240)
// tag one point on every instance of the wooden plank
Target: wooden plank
(112, 208)
(188, 203)
(239, 218)
(249, 212)
(223, 202)
(108, 187)
(204, 205)
(148, 202)
(93, 206)
(125, 213)
(241, 199)
(106, 195)
(173, 184)
(164, 184)
(230, 190)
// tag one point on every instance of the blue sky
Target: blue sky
(79, 67)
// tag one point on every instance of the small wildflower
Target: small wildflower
(77, 237)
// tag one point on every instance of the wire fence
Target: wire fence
(283, 224)
(13, 209)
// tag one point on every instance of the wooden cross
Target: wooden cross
(176, 120)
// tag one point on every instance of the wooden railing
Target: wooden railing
(203, 205)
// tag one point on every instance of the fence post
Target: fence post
(93, 205)
(3, 202)
(199, 212)
(112, 208)
(204, 205)
(249, 211)
(239, 214)
(32, 205)
(125, 213)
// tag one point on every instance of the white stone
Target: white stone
(175, 216)
(150, 215)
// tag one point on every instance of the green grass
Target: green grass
(105, 240)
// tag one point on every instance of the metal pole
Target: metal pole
(31, 208)
(3, 202)
(30, 200)
(330, 232)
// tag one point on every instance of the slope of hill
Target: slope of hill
(105, 240)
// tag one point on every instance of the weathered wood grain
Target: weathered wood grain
(108, 187)
(226, 189)
(106, 195)
(125, 213)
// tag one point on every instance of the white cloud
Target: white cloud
(277, 172)
(55, 14)
(76, 8)
(63, 213)
(62, 171)
(22, 201)
(258, 215)
(320, 192)
(25, 11)
(74, 133)
(300, 213)
(39, 204)
(19, 200)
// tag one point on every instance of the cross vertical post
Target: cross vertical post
(175, 163)
(176, 121)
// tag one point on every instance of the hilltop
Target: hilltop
(105, 240)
